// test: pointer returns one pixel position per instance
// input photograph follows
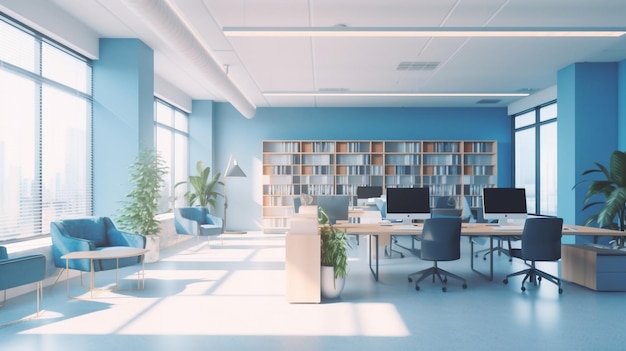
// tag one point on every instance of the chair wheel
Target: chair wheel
(445, 280)
(539, 278)
(505, 281)
(475, 255)
(410, 280)
(417, 287)
(401, 255)
(444, 289)
(484, 258)
(523, 288)
(560, 290)
(464, 286)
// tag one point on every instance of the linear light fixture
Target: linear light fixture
(379, 94)
(341, 31)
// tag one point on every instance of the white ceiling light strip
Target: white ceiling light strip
(421, 32)
(166, 22)
(373, 94)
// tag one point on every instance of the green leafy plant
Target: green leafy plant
(335, 245)
(612, 188)
(141, 204)
(203, 187)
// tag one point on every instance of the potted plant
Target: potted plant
(613, 189)
(138, 211)
(334, 256)
(203, 187)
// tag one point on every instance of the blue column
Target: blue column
(587, 130)
(123, 117)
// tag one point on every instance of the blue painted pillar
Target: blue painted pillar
(587, 130)
(123, 117)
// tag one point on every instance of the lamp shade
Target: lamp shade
(235, 171)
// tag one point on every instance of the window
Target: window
(172, 140)
(45, 133)
(536, 156)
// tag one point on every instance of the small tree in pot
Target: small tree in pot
(141, 204)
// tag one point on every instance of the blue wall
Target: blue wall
(241, 139)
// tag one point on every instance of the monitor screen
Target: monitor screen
(335, 206)
(408, 204)
(504, 203)
(366, 194)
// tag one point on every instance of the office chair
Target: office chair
(382, 206)
(297, 202)
(541, 241)
(441, 241)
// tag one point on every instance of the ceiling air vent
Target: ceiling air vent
(416, 66)
(488, 101)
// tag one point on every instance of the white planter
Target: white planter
(153, 245)
(331, 287)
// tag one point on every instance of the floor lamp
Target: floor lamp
(234, 171)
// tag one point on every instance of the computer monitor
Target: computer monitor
(408, 204)
(335, 206)
(364, 193)
(504, 204)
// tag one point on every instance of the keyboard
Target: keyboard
(508, 227)
(406, 227)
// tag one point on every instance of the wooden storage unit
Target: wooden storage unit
(303, 261)
(593, 267)
(322, 167)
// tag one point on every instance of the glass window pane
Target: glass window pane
(164, 147)
(66, 156)
(547, 112)
(525, 119)
(18, 48)
(525, 165)
(66, 69)
(181, 122)
(19, 189)
(164, 114)
(548, 169)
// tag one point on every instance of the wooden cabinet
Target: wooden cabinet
(306, 169)
(593, 267)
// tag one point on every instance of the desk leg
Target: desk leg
(369, 256)
(92, 278)
(490, 276)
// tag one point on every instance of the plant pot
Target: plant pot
(331, 287)
(153, 245)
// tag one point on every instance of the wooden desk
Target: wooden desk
(467, 229)
(594, 267)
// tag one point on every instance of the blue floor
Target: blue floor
(231, 297)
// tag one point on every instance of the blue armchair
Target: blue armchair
(91, 233)
(20, 271)
(197, 221)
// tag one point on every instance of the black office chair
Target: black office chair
(541, 241)
(441, 241)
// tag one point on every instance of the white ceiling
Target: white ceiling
(461, 65)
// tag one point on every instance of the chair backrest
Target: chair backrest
(441, 239)
(89, 228)
(297, 202)
(541, 239)
(445, 202)
(198, 214)
(445, 212)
